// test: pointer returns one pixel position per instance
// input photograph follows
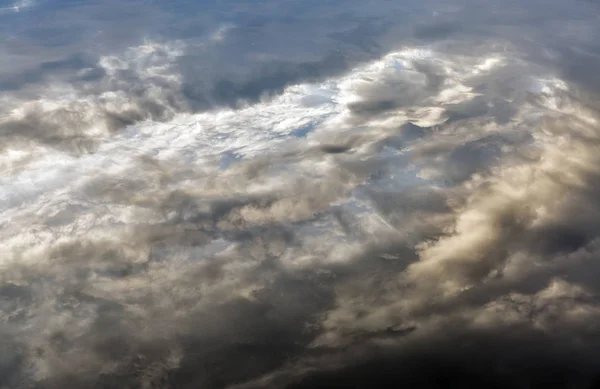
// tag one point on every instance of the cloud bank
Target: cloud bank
(424, 215)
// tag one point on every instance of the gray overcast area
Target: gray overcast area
(299, 194)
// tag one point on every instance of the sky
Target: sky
(299, 194)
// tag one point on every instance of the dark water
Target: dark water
(299, 194)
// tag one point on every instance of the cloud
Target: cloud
(428, 218)
(224, 62)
